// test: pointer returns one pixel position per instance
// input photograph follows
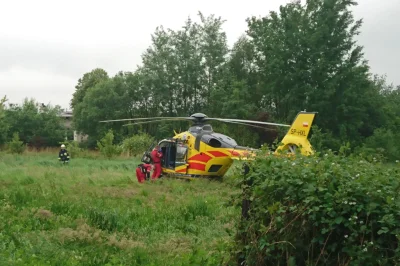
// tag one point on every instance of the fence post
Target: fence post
(245, 212)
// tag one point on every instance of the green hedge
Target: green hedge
(322, 210)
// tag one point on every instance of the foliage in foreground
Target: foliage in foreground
(16, 145)
(328, 210)
(137, 144)
(94, 212)
(106, 146)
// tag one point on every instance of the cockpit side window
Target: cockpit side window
(214, 143)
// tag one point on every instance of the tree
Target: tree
(214, 50)
(3, 123)
(88, 80)
(308, 59)
(189, 69)
(109, 99)
(159, 65)
(37, 125)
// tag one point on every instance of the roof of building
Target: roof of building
(66, 114)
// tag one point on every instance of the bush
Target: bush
(16, 145)
(383, 143)
(137, 144)
(106, 146)
(332, 210)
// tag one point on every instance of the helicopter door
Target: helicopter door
(169, 153)
(181, 158)
(174, 156)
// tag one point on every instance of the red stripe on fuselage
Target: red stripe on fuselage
(197, 166)
(235, 153)
(201, 157)
(217, 153)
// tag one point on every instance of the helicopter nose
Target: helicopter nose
(219, 166)
(213, 163)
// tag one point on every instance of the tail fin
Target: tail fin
(297, 136)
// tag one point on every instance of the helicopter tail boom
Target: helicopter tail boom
(297, 136)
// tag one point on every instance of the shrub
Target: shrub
(16, 145)
(329, 210)
(383, 143)
(137, 144)
(106, 146)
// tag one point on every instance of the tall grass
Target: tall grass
(94, 212)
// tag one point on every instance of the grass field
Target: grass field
(94, 212)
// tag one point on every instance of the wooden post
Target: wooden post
(245, 212)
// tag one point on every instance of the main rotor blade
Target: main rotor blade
(248, 121)
(147, 118)
(152, 121)
(239, 123)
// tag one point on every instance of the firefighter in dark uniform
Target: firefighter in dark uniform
(63, 155)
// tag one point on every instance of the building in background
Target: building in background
(67, 121)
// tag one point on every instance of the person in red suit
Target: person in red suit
(156, 156)
(143, 172)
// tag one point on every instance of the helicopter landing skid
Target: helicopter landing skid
(192, 177)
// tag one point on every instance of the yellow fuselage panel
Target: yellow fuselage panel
(206, 160)
(303, 143)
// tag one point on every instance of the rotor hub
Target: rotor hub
(199, 116)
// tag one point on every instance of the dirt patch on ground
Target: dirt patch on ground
(5, 183)
(44, 214)
(175, 245)
(87, 234)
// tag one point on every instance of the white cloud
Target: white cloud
(20, 83)
(46, 46)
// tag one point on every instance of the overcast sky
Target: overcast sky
(46, 46)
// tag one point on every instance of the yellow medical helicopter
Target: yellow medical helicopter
(201, 152)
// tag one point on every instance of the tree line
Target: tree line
(303, 57)
(35, 124)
